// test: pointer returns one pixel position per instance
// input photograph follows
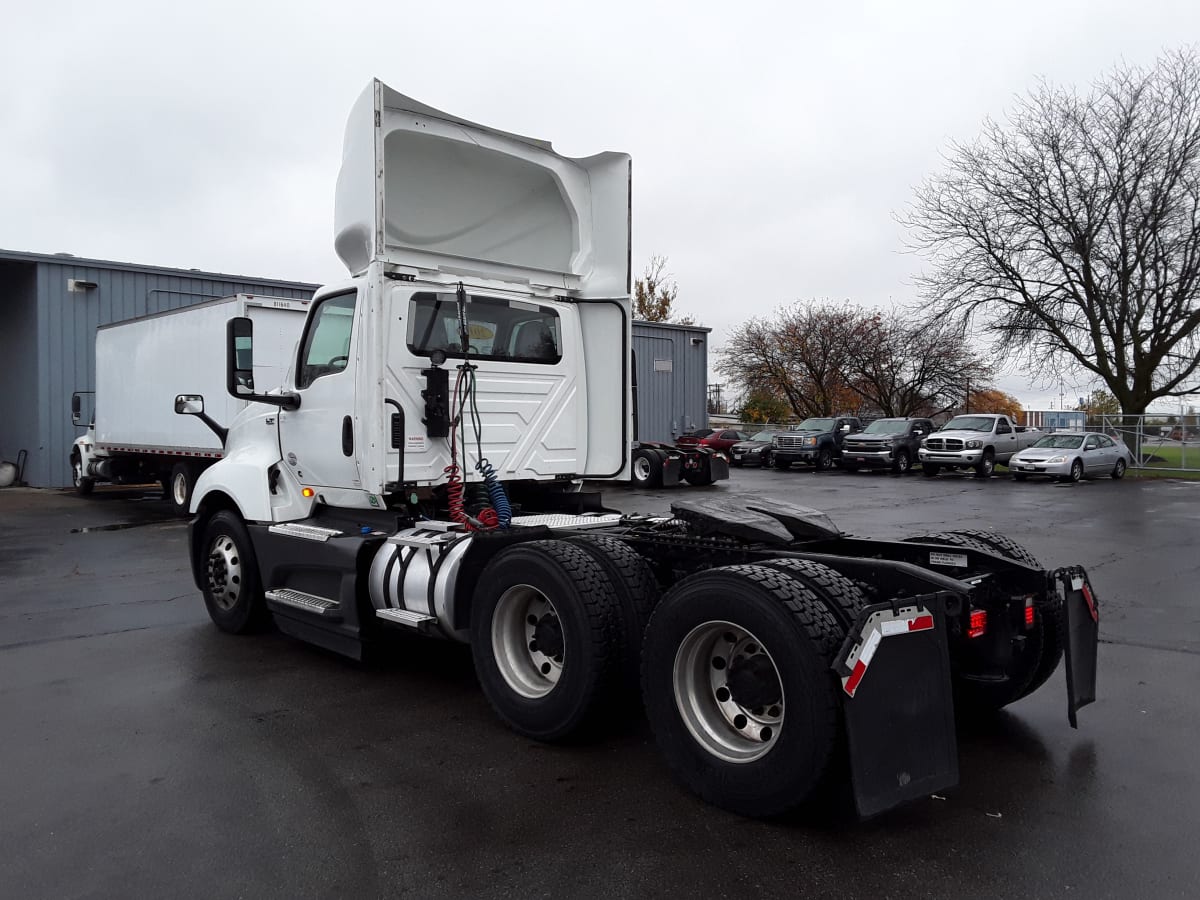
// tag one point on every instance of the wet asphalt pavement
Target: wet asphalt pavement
(143, 753)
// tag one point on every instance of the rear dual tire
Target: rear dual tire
(740, 696)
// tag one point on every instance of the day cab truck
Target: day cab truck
(976, 441)
(420, 472)
(133, 435)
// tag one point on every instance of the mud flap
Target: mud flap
(1082, 640)
(898, 702)
(672, 470)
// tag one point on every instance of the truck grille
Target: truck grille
(935, 443)
(789, 442)
(852, 446)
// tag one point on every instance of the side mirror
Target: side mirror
(189, 405)
(239, 357)
(846, 427)
(76, 409)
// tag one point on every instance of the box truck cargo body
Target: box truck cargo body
(143, 364)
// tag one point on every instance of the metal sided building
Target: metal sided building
(52, 305)
(671, 365)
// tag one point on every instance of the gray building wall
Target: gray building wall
(672, 378)
(60, 327)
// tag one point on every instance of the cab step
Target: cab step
(309, 603)
(409, 619)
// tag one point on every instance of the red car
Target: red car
(690, 439)
(723, 440)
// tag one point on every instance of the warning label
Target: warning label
(958, 560)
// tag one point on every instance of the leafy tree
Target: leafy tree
(1098, 404)
(991, 400)
(761, 407)
(654, 295)
(1071, 235)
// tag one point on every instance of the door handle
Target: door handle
(347, 437)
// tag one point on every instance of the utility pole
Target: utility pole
(967, 399)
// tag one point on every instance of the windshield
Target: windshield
(815, 425)
(970, 423)
(763, 436)
(1061, 441)
(886, 426)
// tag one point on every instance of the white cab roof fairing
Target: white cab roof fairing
(422, 188)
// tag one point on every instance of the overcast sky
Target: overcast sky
(772, 143)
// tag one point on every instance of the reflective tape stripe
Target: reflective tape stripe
(880, 625)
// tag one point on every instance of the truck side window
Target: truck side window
(327, 342)
(505, 330)
(1002, 427)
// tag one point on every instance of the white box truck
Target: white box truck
(420, 471)
(142, 364)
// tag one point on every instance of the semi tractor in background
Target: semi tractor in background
(133, 435)
(422, 471)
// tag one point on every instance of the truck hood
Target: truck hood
(963, 435)
(423, 189)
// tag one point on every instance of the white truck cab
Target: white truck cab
(438, 218)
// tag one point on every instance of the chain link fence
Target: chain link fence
(1157, 442)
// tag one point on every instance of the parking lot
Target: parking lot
(146, 754)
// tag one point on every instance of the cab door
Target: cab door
(318, 438)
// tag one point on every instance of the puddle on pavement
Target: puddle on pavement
(119, 526)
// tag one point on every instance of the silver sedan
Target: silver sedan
(1072, 456)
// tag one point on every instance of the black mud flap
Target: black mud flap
(1082, 640)
(672, 470)
(719, 467)
(895, 673)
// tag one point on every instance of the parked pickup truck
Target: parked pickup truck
(885, 444)
(977, 441)
(816, 442)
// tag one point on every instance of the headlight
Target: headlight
(810, 442)
(1056, 459)
(973, 445)
(885, 445)
(924, 444)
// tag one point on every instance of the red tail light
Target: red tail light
(1029, 613)
(978, 623)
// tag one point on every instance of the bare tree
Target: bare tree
(654, 294)
(800, 354)
(1071, 236)
(906, 368)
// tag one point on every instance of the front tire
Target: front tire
(545, 638)
(902, 465)
(232, 588)
(82, 483)
(1076, 474)
(739, 693)
(180, 484)
(986, 466)
(824, 460)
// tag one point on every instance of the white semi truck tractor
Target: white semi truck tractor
(133, 435)
(421, 470)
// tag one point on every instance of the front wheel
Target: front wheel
(232, 588)
(824, 460)
(1118, 471)
(82, 483)
(986, 466)
(545, 636)
(902, 465)
(738, 690)
(1076, 473)
(180, 484)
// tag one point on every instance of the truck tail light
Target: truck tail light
(978, 623)
(1029, 612)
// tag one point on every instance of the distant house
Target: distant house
(1056, 419)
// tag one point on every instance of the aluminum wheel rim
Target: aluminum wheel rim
(179, 488)
(641, 469)
(722, 726)
(224, 572)
(1077, 471)
(522, 661)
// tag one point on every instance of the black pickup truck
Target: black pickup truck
(885, 444)
(816, 442)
